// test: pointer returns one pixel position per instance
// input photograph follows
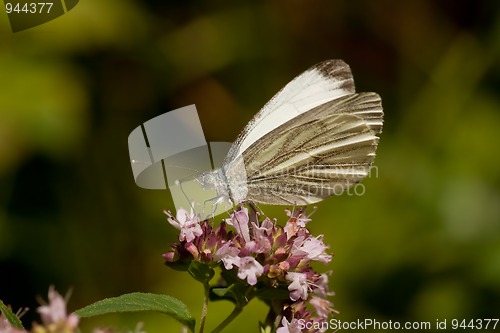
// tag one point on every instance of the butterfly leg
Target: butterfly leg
(216, 201)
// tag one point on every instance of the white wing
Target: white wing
(319, 84)
(320, 153)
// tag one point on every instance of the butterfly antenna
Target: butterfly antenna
(217, 200)
(214, 206)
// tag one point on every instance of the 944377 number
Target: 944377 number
(478, 324)
(31, 7)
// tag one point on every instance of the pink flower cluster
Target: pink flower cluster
(54, 317)
(262, 254)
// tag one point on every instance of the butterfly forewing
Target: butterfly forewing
(319, 84)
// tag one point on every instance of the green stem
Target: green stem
(204, 310)
(236, 311)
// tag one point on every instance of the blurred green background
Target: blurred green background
(422, 244)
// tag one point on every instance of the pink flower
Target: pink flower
(191, 248)
(171, 256)
(188, 224)
(294, 224)
(322, 286)
(228, 254)
(299, 286)
(239, 220)
(250, 269)
(260, 245)
(312, 248)
(55, 312)
(265, 229)
(261, 236)
(322, 306)
(289, 327)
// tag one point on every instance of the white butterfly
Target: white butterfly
(315, 138)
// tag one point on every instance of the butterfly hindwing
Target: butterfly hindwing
(317, 154)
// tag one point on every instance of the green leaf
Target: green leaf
(201, 272)
(220, 294)
(11, 317)
(181, 266)
(234, 293)
(141, 302)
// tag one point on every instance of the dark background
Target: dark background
(423, 242)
